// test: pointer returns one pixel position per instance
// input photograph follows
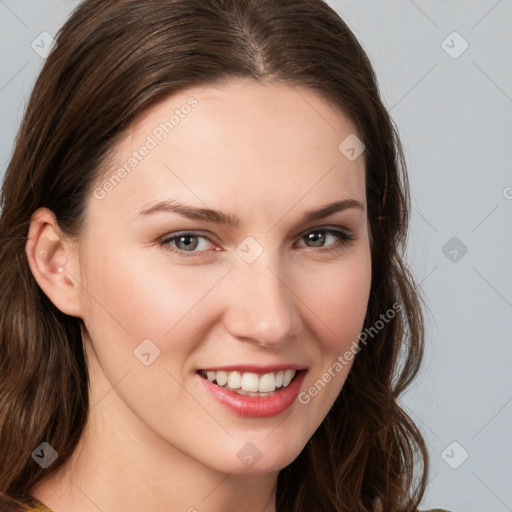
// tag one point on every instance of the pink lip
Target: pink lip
(262, 370)
(254, 406)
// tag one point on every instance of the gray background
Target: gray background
(454, 112)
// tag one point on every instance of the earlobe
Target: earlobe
(53, 262)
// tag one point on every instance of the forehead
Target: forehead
(237, 143)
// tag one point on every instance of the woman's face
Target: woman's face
(175, 302)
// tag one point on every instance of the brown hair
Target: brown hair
(115, 58)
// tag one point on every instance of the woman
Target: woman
(204, 304)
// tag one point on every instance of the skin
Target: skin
(155, 439)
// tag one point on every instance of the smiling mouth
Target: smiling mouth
(249, 383)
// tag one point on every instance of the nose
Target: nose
(262, 305)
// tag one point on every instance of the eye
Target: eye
(185, 242)
(319, 236)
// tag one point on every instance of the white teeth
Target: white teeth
(251, 384)
(287, 377)
(234, 380)
(221, 378)
(267, 383)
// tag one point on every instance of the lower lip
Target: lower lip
(255, 406)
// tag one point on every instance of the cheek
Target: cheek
(338, 306)
(132, 297)
(338, 300)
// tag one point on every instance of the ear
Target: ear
(54, 262)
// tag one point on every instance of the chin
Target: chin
(257, 455)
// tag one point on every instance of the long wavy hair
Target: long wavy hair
(113, 60)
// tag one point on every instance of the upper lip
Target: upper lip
(255, 368)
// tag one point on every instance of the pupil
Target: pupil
(319, 238)
(187, 245)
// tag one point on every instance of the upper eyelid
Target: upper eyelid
(326, 227)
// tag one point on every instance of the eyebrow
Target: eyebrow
(218, 217)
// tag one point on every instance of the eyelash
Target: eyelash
(343, 239)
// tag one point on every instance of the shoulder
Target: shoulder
(30, 504)
(37, 506)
